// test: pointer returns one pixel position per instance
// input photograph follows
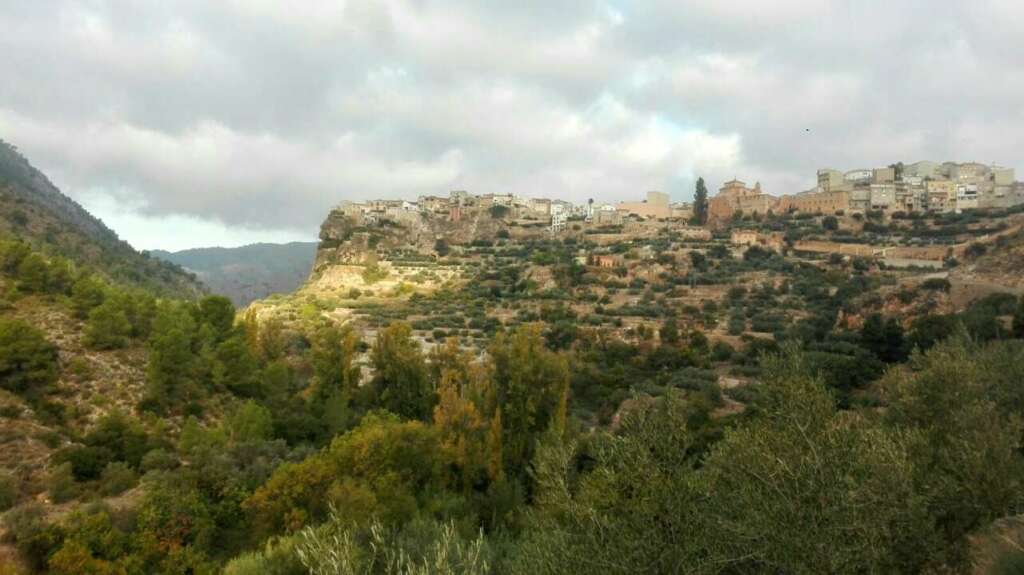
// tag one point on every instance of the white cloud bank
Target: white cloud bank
(253, 118)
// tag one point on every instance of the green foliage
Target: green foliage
(936, 284)
(174, 523)
(235, 367)
(964, 402)
(122, 436)
(335, 548)
(928, 330)
(34, 538)
(634, 513)
(278, 557)
(700, 203)
(1018, 320)
(33, 274)
(334, 354)
(60, 483)
(808, 489)
(374, 273)
(87, 293)
(158, 460)
(108, 326)
(400, 373)
(250, 422)
(383, 468)
(117, 478)
(669, 331)
(172, 363)
(1009, 562)
(884, 338)
(28, 361)
(217, 312)
(9, 491)
(531, 385)
(12, 253)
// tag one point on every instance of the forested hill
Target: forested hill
(248, 273)
(33, 210)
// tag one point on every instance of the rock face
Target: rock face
(348, 238)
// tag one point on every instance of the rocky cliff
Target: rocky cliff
(348, 238)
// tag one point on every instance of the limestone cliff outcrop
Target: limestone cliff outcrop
(353, 237)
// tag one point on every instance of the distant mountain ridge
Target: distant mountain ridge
(250, 272)
(33, 210)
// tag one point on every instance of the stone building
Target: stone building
(941, 195)
(832, 180)
(816, 202)
(734, 196)
(655, 206)
(748, 238)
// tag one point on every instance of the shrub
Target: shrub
(28, 361)
(61, 483)
(34, 538)
(108, 326)
(722, 351)
(117, 478)
(1009, 562)
(936, 284)
(8, 491)
(159, 460)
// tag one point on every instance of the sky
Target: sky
(223, 122)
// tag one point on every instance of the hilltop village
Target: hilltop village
(469, 265)
(921, 187)
(891, 193)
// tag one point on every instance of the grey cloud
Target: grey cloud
(263, 113)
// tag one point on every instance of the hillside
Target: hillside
(413, 387)
(33, 210)
(247, 273)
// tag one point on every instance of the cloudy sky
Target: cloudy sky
(201, 122)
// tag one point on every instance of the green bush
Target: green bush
(61, 483)
(159, 460)
(28, 361)
(34, 538)
(936, 284)
(1009, 562)
(117, 478)
(8, 491)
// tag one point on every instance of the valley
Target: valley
(486, 379)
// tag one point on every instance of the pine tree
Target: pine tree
(33, 274)
(86, 293)
(108, 326)
(28, 361)
(172, 363)
(218, 312)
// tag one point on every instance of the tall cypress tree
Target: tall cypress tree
(700, 203)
